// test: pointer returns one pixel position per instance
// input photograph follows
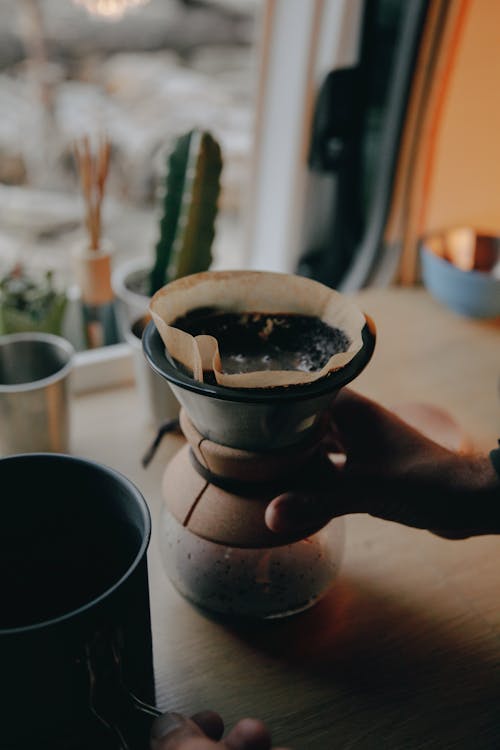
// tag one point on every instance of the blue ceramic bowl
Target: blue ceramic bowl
(472, 293)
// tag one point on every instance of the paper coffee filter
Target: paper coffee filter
(253, 292)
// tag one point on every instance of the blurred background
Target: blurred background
(142, 78)
(359, 137)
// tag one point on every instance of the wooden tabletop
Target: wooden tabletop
(404, 652)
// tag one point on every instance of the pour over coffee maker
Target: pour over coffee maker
(250, 436)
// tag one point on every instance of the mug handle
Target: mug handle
(110, 701)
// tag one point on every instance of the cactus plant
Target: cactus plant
(187, 226)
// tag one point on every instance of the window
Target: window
(161, 69)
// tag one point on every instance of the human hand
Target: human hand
(393, 472)
(204, 731)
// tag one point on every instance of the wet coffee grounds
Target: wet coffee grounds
(250, 342)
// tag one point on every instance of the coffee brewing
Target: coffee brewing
(252, 341)
(255, 359)
(251, 329)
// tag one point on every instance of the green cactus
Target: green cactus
(187, 227)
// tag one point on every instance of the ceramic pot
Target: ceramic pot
(131, 304)
(157, 397)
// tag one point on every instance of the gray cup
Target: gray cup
(34, 398)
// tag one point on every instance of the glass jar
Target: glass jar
(267, 583)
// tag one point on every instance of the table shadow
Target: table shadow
(434, 675)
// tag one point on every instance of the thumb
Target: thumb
(325, 492)
(172, 730)
(303, 512)
(298, 513)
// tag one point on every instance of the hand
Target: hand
(204, 731)
(393, 472)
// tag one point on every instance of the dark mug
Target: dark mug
(76, 666)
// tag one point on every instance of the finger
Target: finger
(292, 512)
(171, 731)
(325, 492)
(249, 734)
(210, 723)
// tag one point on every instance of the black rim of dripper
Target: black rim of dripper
(154, 351)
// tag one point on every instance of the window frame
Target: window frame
(324, 35)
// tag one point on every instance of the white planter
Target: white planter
(130, 305)
(158, 400)
(73, 324)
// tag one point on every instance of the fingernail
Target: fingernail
(166, 723)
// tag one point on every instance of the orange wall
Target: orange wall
(464, 186)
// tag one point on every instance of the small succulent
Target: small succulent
(187, 227)
(29, 304)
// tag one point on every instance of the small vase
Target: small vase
(93, 274)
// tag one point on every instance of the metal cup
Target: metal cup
(75, 634)
(34, 402)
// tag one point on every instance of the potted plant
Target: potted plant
(28, 303)
(184, 246)
(187, 226)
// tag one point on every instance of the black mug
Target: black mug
(76, 667)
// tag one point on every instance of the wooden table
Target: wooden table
(404, 652)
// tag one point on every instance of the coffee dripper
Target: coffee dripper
(244, 447)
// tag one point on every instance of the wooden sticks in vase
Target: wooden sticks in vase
(93, 170)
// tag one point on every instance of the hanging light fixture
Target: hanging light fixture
(112, 9)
